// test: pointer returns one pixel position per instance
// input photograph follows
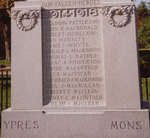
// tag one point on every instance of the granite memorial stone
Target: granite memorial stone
(75, 71)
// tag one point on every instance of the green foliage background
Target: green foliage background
(143, 25)
(144, 33)
(6, 4)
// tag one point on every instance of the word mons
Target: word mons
(128, 125)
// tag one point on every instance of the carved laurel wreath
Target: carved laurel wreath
(31, 15)
(108, 11)
(124, 11)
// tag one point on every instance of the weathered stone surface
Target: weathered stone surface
(73, 60)
(68, 35)
(74, 71)
(26, 58)
(103, 124)
(81, 56)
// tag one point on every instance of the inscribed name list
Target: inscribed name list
(73, 59)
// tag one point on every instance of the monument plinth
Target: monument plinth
(75, 71)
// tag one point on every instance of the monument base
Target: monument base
(98, 124)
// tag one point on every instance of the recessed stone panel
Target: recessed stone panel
(73, 60)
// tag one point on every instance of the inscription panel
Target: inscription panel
(73, 63)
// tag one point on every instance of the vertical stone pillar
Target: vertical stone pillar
(26, 58)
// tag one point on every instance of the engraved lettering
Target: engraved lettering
(13, 124)
(36, 124)
(6, 123)
(20, 125)
(130, 125)
(114, 125)
(28, 124)
(138, 124)
(122, 125)
(71, 3)
(126, 125)
(73, 58)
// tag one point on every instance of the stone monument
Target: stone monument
(75, 71)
